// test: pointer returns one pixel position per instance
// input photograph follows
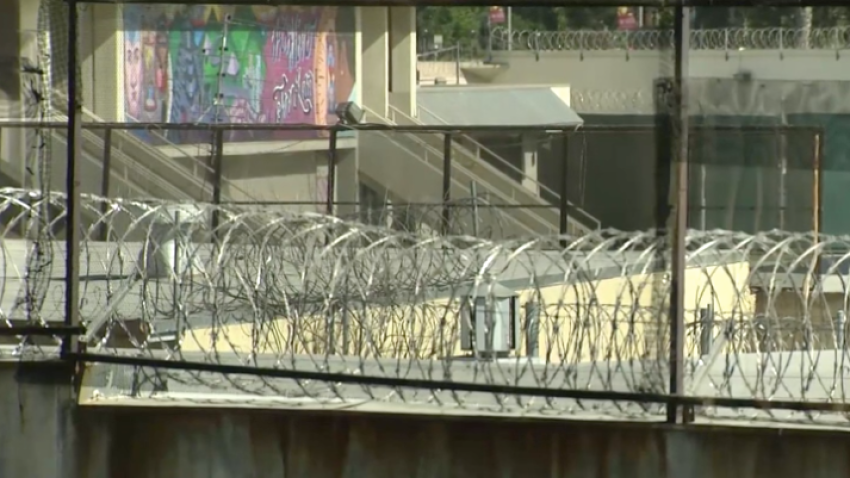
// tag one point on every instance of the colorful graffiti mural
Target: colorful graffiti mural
(203, 64)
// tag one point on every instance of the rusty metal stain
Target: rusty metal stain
(215, 443)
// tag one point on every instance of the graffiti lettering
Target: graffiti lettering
(294, 39)
(294, 95)
(283, 64)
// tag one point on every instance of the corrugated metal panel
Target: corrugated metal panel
(494, 106)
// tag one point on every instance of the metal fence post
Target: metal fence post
(532, 329)
(840, 329)
(104, 182)
(706, 336)
(457, 64)
(217, 172)
(73, 233)
(447, 181)
(563, 203)
(680, 129)
(332, 152)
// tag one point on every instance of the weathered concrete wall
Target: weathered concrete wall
(36, 421)
(37, 439)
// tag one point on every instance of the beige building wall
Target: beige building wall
(793, 319)
(623, 322)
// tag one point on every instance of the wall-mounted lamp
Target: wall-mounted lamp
(349, 113)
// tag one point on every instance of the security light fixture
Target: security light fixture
(349, 113)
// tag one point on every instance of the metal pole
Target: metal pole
(457, 64)
(840, 327)
(447, 181)
(104, 183)
(175, 286)
(489, 38)
(680, 128)
(706, 333)
(783, 171)
(510, 30)
(73, 234)
(532, 329)
(817, 196)
(473, 190)
(563, 204)
(332, 150)
(218, 166)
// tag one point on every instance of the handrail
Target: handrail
(429, 148)
(155, 152)
(138, 168)
(593, 221)
(90, 115)
(493, 154)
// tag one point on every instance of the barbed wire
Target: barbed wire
(304, 291)
(704, 39)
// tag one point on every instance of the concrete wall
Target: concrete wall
(431, 329)
(300, 177)
(46, 436)
(635, 70)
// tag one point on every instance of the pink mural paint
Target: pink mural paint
(286, 65)
(291, 61)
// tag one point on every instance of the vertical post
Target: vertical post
(817, 196)
(840, 327)
(680, 129)
(332, 151)
(783, 169)
(473, 191)
(73, 233)
(104, 182)
(457, 63)
(176, 280)
(489, 37)
(447, 181)
(532, 329)
(706, 333)
(510, 29)
(564, 202)
(218, 167)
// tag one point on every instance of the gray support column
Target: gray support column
(530, 177)
(375, 80)
(403, 53)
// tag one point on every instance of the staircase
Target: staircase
(419, 177)
(137, 169)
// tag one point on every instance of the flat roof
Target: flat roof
(496, 105)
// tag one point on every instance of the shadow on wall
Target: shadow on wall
(735, 176)
(736, 181)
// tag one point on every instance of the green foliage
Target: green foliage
(468, 25)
